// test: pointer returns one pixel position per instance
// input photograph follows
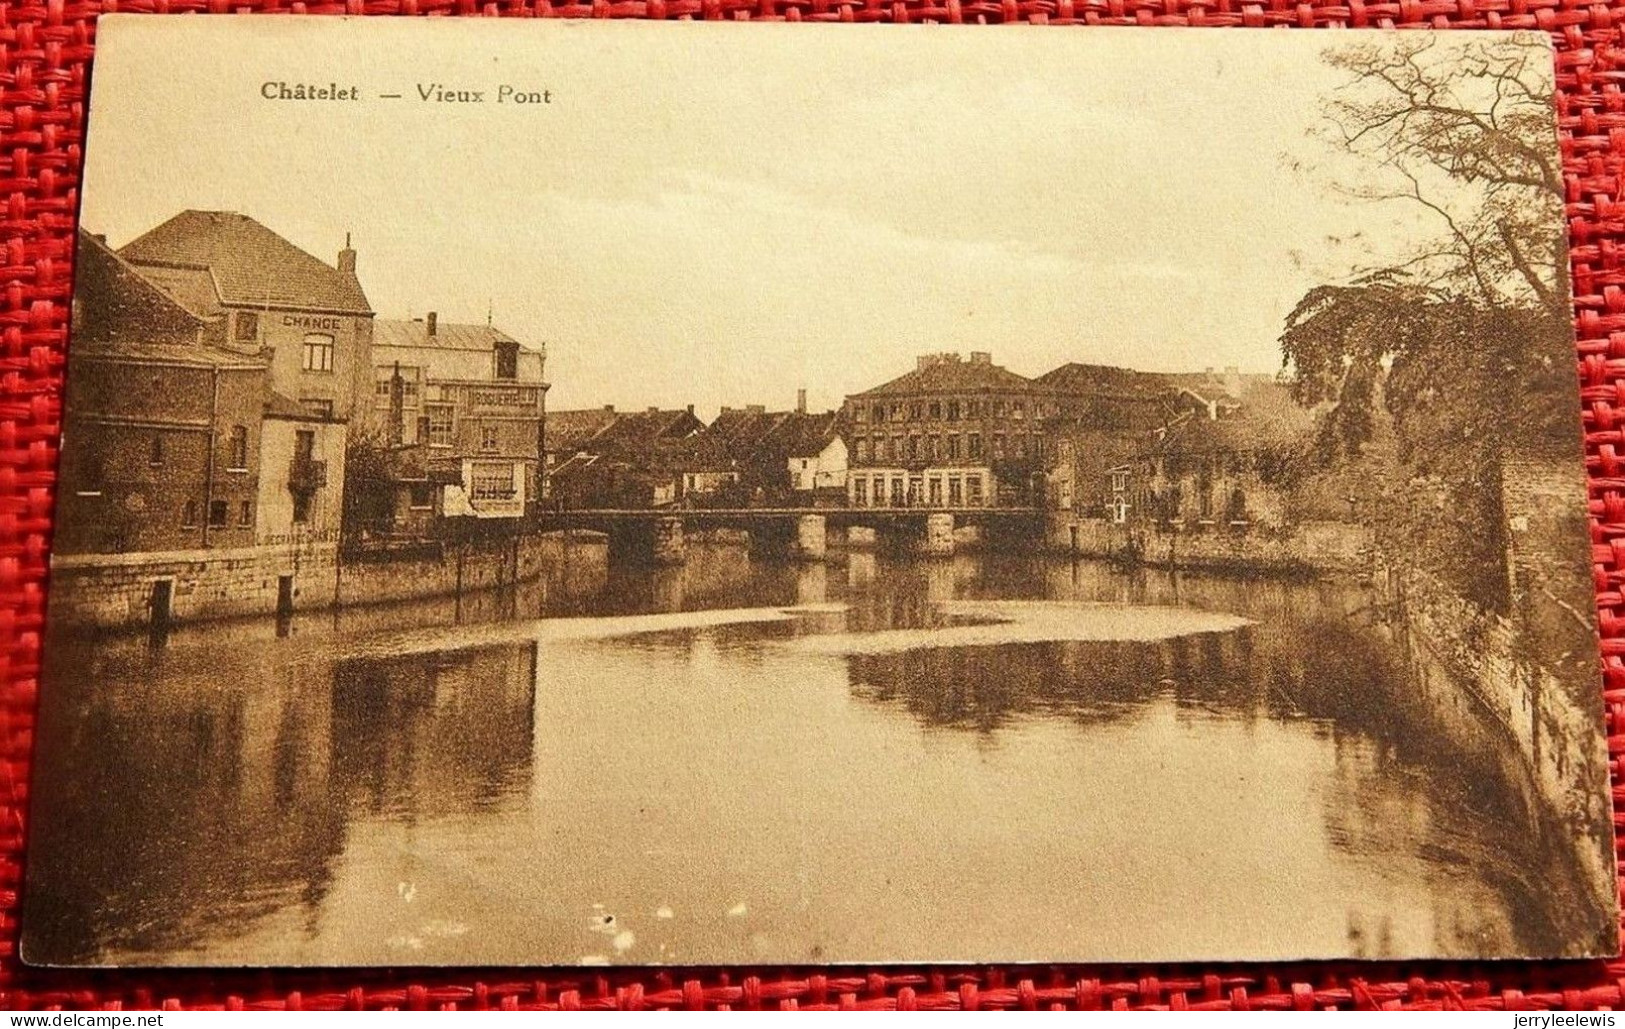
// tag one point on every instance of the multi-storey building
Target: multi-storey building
(310, 321)
(950, 433)
(163, 424)
(475, 399)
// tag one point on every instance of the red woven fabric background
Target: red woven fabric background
(45, 53)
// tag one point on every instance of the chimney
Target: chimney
(981, 357)
(654, 409)
(755, 409)
(801, 401)
(431, 323)
(610, 408)
(691, 409)
(347, 257)
(1232, 380)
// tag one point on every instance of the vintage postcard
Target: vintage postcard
(630, 493)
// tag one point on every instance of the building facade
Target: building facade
(162, 424)
(309, 321)
(950, 433)
(475, 398)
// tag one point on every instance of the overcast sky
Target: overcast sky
(720, 213)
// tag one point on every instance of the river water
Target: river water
(988, 758)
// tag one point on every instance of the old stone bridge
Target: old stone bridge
(798, 532)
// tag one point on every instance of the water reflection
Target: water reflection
(692, 789)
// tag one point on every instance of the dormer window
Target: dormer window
(507, 352)
(247, 327)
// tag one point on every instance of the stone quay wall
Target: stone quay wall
(120, 590)
(113, 590)
(1306, 547)
(1538, 713)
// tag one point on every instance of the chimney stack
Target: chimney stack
(610, 408)
(981, 357)
(1232, 380)
(430, 321)
(347, 257)
(691, 409)
(801, 401)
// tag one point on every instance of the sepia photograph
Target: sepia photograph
(668, 494)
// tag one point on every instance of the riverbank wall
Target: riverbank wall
(1536, 714)
(1309, 547)
(168, 588)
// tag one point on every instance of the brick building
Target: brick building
(950, 433)
(474, 398)
(777, 457)
(308, 320)
(1103, 424)
(604, 458)
(162, 423)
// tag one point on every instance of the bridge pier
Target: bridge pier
(938, 537)
(668, 546)
(811, 538)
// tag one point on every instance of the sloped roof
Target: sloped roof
(1095, 379)
(197, 354)
(287, 409)
(953, 377)
(396, 332)
(1265, 416)
(567, 430)
(251, 265)
(640, 428)
(753, 434)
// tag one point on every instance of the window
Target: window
(1019, 444)
(936, 492)
(189, 513)
(880, 413)
(488, 438)
(492, 481)
(507, 352)
(878, 497)
(422, 496)
(936, 409)
(219, 512)
(247, 327)
(440, 424)
(239, 448)
(301, 508)
(380, 392)
(953, 446)
(1018, 410)
(155, 450)
(956, 491)
(318, 352)
(245, 513)
(896, 452)
(863, 448)
(857, 413)
(860, 492)
(304, 445)
(975, 445)
(1119, 480)
(897, 492)
(998, 445)
(973, 490)
(916, 411)
(953, 410)
(933, 446)
(973, 409)
(913, 447)
(897, 412)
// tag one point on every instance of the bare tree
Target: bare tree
(1465, 135)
